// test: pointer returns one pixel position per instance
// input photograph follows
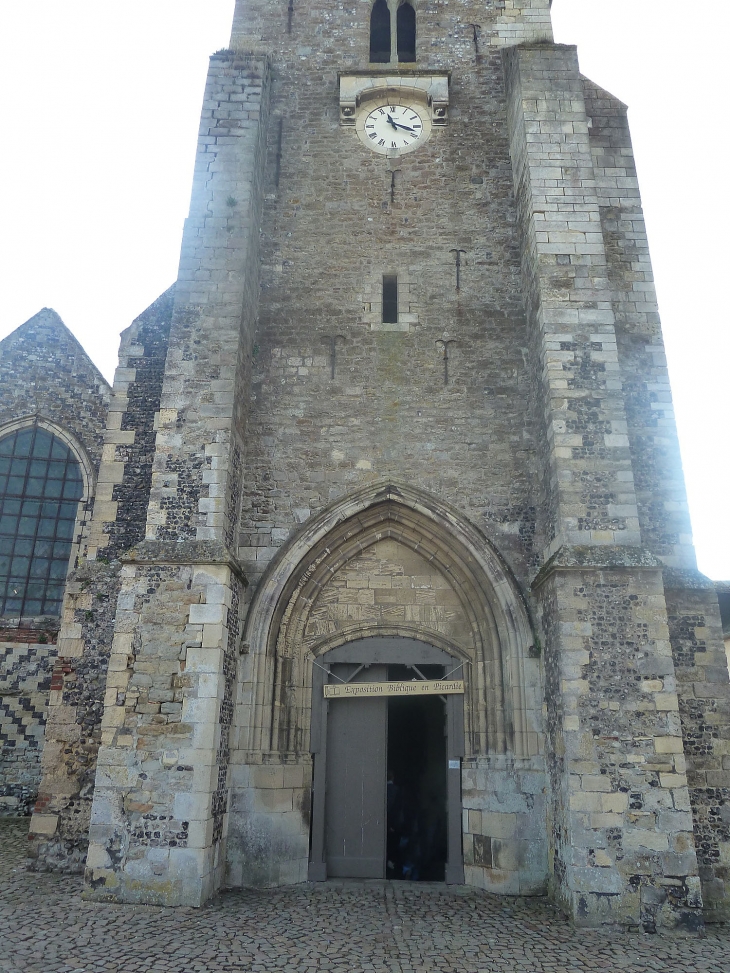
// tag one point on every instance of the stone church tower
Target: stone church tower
(404, 418)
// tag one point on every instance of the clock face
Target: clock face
(392, 129)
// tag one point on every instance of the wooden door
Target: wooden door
(355, 797)
(349, 738)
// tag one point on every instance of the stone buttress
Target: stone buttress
(622, 841)
(60, 823)
(161, 791)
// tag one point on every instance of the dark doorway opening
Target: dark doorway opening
(416, 782)
(358, 737)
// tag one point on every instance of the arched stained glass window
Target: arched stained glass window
(380, 33)
(40, 487)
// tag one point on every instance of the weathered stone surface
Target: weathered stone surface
(495, 473)
(47, 379)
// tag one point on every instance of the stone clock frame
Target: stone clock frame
(428, 93)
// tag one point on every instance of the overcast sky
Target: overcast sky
(99, 108)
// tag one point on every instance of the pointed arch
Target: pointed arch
(46, 481)
(88, 471)
(406, 32)
(494, 635)
(380, 41)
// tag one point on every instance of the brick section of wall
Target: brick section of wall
(25, 680)
(60, 822)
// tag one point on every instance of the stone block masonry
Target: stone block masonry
(622, 825)
(493, 478)
(340, 34)
(46, 378)
(312, 437)
(656, 464)
(45, 372)
(592, 496)
(195, 482)
(704, 709)
(611, 623)
(59, 833)
(162, 792)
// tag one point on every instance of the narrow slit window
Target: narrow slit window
(390, 299)
(380, 33)
(406, 28)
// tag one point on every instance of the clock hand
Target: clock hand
(405, 127)
(391, 122)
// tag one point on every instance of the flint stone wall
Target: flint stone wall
(60, 824)
(45, 376)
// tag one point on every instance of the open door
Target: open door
(355, 803)
(387, 769)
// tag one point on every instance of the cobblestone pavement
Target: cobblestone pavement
(337, 928)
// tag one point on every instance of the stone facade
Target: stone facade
(76, 702)
(494, 472)
(47, 380)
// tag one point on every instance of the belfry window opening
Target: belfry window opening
(384, 23)
(380, 33)
(406, 33)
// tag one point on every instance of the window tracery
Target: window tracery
(40, 486)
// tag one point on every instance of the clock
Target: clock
(392, 128)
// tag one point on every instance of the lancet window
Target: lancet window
(40, 488)
(386, 23)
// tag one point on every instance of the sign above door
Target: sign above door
(420, 687)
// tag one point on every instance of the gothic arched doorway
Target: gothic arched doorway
(388, 564)
(387, 737)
